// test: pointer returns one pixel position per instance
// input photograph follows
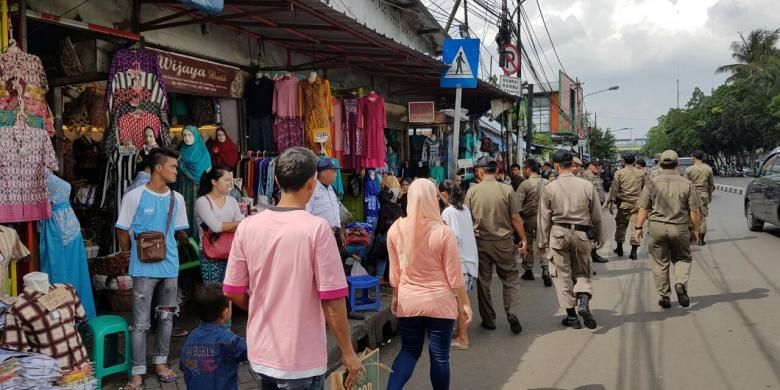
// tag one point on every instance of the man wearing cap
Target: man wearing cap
(569, 217)
(496, 215)
(700, 174)
(528, 198)
(656, 169)
(325, 203)
(626, 188)
(671, 203)
(576, 168)
(593, 175)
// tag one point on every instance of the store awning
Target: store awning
(332, 40)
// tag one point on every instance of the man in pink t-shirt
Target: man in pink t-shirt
(285, 270)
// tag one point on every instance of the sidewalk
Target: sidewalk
(377, 326)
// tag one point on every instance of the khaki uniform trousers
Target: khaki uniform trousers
(669, 244)
(570, 252)
(532, 253)
(704, 211)
(500, 254)
(624, 218)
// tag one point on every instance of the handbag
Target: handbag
(151, 245)
(216, 246)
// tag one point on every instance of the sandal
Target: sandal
(457, 346)
(180, 332)
(167, 377)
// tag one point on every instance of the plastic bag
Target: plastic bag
(358, 270)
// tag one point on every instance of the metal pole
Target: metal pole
(456, 134)
(529, 120)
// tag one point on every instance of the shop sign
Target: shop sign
(511, 85)
(421, 112)
(189, 75)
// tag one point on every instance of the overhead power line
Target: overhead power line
(544, 22)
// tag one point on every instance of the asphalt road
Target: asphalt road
(728, 338)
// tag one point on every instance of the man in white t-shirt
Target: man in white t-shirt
(147, 209)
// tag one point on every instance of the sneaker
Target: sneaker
(514, 324)
(682, 295)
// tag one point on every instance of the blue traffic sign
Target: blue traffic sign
(462, 59)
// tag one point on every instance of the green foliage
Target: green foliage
(602, 144)
(737, 118)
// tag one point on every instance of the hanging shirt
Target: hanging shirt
(285, 102)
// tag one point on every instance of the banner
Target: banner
(193, 76)
(421, 112)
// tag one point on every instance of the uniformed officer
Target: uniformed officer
(700, 174)
(626, 188)
(576, 168)
(656, 169)
(670, 202)
(593, 175)
(527, 195)
(568, 210)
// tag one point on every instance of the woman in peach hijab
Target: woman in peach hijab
(428, 288)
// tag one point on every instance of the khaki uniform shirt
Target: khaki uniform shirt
(492, 205)
(527, 195)
(702, 178)
(655, 170)
(627, 186)
(589, 176)
(570, 200)
(669, 198)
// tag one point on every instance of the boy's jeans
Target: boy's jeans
(143, 291)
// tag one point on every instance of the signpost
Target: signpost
(511, 85)
(512, 59)
(462, 58)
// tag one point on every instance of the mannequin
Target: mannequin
(312, 77)
(37, 281)
(195, 160)
(432, 150)
(370, 197)
(315, 103)
(392, 161)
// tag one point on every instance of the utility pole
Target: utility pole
(452, 16)
(529, 120)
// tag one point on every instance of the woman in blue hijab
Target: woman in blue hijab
(194, 161)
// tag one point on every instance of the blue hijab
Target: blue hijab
(195, 159)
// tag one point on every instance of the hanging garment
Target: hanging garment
(438, 174)
(11, 249)
(128, 123)
(26, 155)
(289, 132)
(261, 133)
(314, 101)
(371, 200)
(137, 60)
(354, 141)
(23, 86)
(135, 86)
(336, 129)
(30, 326)
(373, 120)
(63, 256)
(432, 151)
(259, 97)
(285, 100)
(392, 163)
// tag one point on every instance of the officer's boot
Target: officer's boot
(546, 276)
(596, 257)
(528, 275)
(633, 255)
(571, 319)
(701, 239)
(584, 310)
(619, 250)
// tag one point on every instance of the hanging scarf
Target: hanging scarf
(195, 159)
(224, 153)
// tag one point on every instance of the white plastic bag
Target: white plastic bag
(358, 270)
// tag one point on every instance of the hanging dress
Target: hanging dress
(354, 142)
(371, 198)
(288, 129)
(317, 111)
(372, 120)
(63, 255)
(194, 161)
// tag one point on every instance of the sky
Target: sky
(643, 46)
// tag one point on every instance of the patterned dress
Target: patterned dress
(317, 112)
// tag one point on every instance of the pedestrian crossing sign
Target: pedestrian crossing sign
(462, 59)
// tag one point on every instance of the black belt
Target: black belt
(580, 228)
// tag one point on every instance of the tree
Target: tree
(602, 144)
(752, 54)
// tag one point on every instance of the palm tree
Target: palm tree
(752, 54)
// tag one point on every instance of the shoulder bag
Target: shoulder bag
(151, 246)
(216, 246)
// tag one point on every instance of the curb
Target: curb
(730, 189)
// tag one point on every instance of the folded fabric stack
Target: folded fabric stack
(31, 370)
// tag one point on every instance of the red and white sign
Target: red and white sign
(421, 112)
(511, 59)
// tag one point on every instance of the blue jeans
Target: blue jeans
(268, 383)
(413, 330)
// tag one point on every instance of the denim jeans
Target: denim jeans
(268, 383)
(413, 330)
(143, 291)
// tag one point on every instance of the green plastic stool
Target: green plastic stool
(108, 327)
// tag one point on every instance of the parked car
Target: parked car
(762, 195)
(684, 163)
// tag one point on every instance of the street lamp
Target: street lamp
(612, 88)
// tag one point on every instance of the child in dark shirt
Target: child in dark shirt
(211, 354)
